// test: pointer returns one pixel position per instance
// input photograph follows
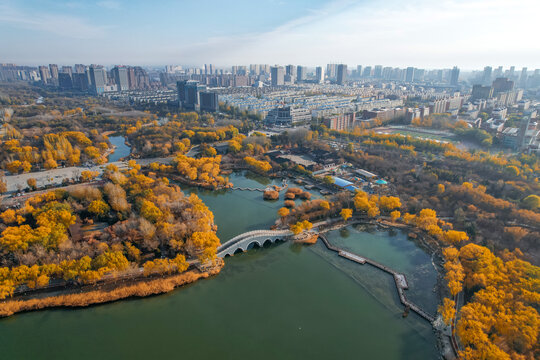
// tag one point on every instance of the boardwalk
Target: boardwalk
(243, 241)
(270, 187)
(399, 279)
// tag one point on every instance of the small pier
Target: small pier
(399, 279)
(270, 187)
(352, 257)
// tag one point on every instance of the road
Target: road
(56, 176)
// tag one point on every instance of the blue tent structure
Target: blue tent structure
(381, 182)
(342, 183)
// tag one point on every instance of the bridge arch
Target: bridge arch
(252, 238)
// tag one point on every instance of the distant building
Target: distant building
(64, 81)
(80, 81)
(409, 75)
(132, 80)
(288, 116)
(377, 72)
(367, 72)
(278, 75)
(141, 77)
(341, 74)
(209, 101)
(340, 122)
(67, 69)
(454, 77)
(499, 113)
(510, 137)
(54, 71)
(482, 92)
(98, 79)
(502, 85)
(300, 73)
(44, 74)
(319, 74)
(331, 70)
(486, 76)
(80, 68)
(120, 76)
(192, 95)
(291, 71)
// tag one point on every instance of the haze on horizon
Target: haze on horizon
(424, 33)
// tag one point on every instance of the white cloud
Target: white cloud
(58, 24)
(419, 33)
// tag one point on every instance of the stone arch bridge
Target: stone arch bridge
(243, 241)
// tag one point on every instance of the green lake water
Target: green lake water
(286, 301)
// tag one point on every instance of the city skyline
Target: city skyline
(117, 32)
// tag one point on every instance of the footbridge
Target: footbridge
(243, 241)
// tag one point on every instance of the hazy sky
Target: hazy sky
(423, 33)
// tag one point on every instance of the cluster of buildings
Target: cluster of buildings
(408, 75)
(195, 96)
(524, 78)
(501, 91)
(94, 78)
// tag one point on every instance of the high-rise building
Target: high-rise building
(278, 75)
(482, 92)
(208, 69)
(192, 98)
(377, 72)
(181, 90)
(254, 69)
(319, 74)
(98, 79)
(486, 76)
(209, 101)
(331, 70)
(142, 79)
(502, 85)
(359, 70)
(64, 81)
(419, 74)
(80, 68)
(409, 76)
(523, 77)
(120, 76)
(67, 69)
(341, 77)
(54, 71)
(498, 72)
(132, 80)
(44, 74)
(80, 81)
(454, 77)
(387, 73)
(300, 73)
(291, 71)
(367, 72)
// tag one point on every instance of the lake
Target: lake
(287, 301)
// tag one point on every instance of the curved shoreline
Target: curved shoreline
(105, 294)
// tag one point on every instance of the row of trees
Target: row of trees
(148, 224)
(68, 147)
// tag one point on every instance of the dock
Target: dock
(399, 279)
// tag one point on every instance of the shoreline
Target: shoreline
(138, 288)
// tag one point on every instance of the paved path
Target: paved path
(57, 176)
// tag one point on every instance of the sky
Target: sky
(423, 33)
